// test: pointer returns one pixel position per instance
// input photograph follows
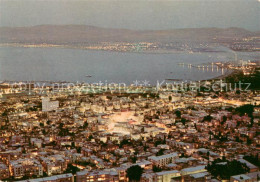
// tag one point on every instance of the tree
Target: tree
(64, 132)
(5, 113)
(224, 119)
(145, 148)
(183, 121)
(207, 118)
(160, 152)
(90, 137)
(251, 122)
(134, 173)
(178, 113)
(73, 144)
(72, 169)
(224, 171)
(44, 132)
(124, 142)
(48, 122)
(195, 126)
(85, 125)
(208, 154)
(156, 169)
(246, 109)
(78, 149)
(41, 124)
(248, 141)
(134, 159)
(252, 159)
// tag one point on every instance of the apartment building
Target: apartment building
(57, 178)
(4, 171)
(55, 164)
(166, 175)
(163, 159)
(103, 176)
(25, 167)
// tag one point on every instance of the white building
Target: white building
(166, 175)
(164, 159)
(193, 170)
(48, 105)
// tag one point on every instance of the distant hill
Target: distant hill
(83, 34)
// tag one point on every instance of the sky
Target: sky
(133, 14)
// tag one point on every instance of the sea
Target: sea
(92, 66)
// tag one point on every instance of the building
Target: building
(251, 167)
(57, 178)
(163, 159)
(54, 164)
(48, 105)
(193, 170)
(249, 177)
(4, 171)
(103, 176)
(198, 177)
(25, 167)
(166, 175)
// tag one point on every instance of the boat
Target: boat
(88, 76)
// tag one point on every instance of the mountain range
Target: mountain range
(84, 34)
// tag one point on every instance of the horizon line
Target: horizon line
(94, 26)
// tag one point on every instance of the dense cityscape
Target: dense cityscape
(144, 135)
(129, 91)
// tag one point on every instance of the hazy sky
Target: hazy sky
(133, 14)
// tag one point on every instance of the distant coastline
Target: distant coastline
(126, 40)
(157, 51)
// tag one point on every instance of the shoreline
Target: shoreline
(158, 51)
(50, 82)
(223, 76)
(90, 48)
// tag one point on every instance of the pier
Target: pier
(213, 67)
